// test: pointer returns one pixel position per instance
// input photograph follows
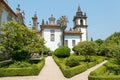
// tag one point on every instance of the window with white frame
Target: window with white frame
(52, 35)
(73, 42)
(66, 43)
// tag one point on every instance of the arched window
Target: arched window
(81, 22)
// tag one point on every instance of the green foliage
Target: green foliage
(104, 77)
(113, 66)
(5, 64)
(20, 65)
(62, 52)
(69, 72)
(72, 71)
(114, 38)
(101, 74)
(18, 39)
(86, 49)
(110, 50)
(20, 56)
(109, 71)
(22, 70)
(111, 46)
(72, 61)
(99, 42)
(3, 56)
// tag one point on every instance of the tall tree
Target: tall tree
(18, 39)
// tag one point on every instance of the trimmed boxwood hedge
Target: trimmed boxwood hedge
(105, 72)
(72, 71)
(62, 52)
(69, 72)
(22, 71)
(104, 77)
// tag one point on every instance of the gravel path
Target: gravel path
(52, 72)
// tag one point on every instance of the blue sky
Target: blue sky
(103, 15)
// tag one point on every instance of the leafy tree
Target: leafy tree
(86, 49)
(18, 39)
(114, 38)
(99, 41)
(111, 46)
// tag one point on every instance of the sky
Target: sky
(103, 15)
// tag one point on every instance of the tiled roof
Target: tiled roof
(73, 32)
(7, 6)
(50, 26)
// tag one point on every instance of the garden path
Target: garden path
(52, 72)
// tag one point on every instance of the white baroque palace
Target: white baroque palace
(55, 34)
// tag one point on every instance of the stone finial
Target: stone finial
(79, 9)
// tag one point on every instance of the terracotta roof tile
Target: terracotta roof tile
(73, 32)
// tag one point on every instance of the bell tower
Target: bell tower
(80, 24)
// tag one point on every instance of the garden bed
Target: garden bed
(72, 71)
(32, 67)
(109, 71)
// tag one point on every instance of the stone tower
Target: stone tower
(80, 24)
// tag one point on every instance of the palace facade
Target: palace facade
(55, 33)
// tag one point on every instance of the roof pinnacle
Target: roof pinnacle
(79, 9)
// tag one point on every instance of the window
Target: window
(73, 42)
(52, 35)
(66, 43)
(81, 22)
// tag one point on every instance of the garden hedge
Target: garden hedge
(70, 72)
(104, 77)
(22, 71)
(62, 52)
(102, 73)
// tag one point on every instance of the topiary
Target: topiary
(62, 52)
(72, 61)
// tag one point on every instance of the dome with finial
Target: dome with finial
(51, 20)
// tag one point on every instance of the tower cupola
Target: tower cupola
(35, 23)
(80, 18)
(79, 12)
(51, 20)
